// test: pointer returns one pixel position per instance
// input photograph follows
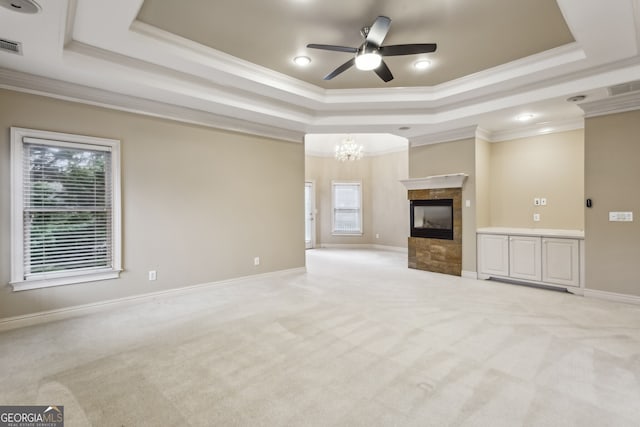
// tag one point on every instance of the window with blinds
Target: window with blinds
(347, 208)
(68, 215)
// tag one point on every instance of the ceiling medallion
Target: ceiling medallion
(348, 150)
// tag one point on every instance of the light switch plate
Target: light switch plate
(543, 201)
(621, 216)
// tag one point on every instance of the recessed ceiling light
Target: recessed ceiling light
(577, 98)
(525, 117)
(21, 6)
(302, 60)
(422, 64)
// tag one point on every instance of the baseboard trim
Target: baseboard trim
(32, 319)
(612, 296)
(470, 274)
(364, 246)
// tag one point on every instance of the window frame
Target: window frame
(333, 209)
(18, 280)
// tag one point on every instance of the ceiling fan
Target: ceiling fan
(369, 55)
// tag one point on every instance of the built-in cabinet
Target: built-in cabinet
(493, 254)
(561, 258)
(551, 257)
(525, 258)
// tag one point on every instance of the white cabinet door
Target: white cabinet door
(560, 261)
(493, 254)
(525, 258)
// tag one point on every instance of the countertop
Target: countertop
(542, 232)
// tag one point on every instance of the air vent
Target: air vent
(9, 46)
(624, 88)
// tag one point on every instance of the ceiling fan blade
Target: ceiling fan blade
(384, 72)
(344, 67)
(407, 49)
(378, 31)
(333, 48)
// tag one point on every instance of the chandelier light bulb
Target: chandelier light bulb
(348, 150)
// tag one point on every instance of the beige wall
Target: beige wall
(483, 183)
(198, 204)
(389, 199)
(550, 166)
(385, 206)
(612, 176)
(449, 158)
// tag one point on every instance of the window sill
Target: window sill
(29, 284)
(347, 234)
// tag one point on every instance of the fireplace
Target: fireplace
(432, 218)
(435, 243)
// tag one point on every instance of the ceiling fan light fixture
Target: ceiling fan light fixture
(368, 61)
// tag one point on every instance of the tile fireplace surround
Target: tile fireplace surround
(438, 255)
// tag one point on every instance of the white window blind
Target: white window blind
(65, 216)
(347, 209)
(67, 208)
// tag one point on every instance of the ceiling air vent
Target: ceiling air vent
(9, 46)
(624, 88)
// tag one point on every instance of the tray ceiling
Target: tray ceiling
(471, 35)
(228, 64)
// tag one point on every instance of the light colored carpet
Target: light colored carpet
(360, 340)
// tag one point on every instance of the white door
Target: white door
(309, 215)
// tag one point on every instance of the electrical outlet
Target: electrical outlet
(543, 201)
(152, 275)
(536, 217)
(536, 201)
(256, 261)
(377, 236)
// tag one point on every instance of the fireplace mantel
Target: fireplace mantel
(454, 180)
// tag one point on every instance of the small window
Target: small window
(65, 209)
(347, 208)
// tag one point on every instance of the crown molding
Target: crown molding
(483, 134)
(612, 105)
(535, 130)
(43, 86)
(445, 136)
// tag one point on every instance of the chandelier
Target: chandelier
(348, 150)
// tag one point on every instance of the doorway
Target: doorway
(309, 215)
